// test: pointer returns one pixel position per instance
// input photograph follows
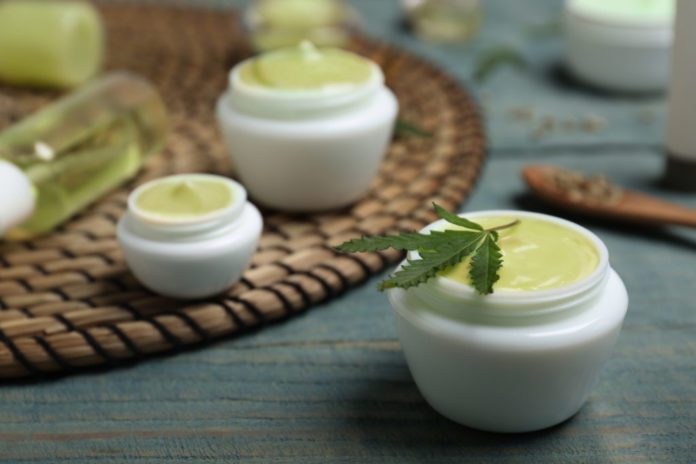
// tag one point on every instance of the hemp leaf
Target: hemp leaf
(434, 260)
(454, 219)
(439, 251)
(485, 264)
(496, 57)
(403, 127)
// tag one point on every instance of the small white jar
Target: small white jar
(191, 257)
(307, 150)
(511, 361)
(622, 46)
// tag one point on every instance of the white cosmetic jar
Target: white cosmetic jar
(307, 150)
(511, 361)
(192, 258)
(625, 54)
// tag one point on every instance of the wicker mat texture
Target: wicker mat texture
(67, 300)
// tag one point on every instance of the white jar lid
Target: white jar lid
(625, 13)
(17, 197)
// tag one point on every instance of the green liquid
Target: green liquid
(49, 43)
(83, 146)
(185, 197)
(537, 255)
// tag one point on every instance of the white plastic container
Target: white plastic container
(622, 46)
(192, 257)
(511, 361)
(307, 150)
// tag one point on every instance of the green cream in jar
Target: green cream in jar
(185, 197)
(537, 255)
(305, 68)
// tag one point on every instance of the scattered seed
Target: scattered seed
(548, 123)
(580, 188)
(523, 113)
(593, 123)
(569, 125)
(539, 133)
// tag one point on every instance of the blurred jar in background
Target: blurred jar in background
(50, 43)
(444, 20)
(281, 23)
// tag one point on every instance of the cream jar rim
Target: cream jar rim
(463, 292)
(156, 222)
(255, 99)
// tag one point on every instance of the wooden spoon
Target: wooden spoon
(595, 196)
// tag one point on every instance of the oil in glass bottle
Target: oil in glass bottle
(62, 158)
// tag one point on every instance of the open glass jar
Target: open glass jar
(444, 20)
(273, 24)
(512, 361)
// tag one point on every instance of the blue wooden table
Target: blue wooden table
(333, 386)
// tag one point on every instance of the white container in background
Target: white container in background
(681, 125)
(195, 256)
(512, 361)
(620, 45)
(307, 150)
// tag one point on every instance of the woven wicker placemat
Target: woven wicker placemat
(67, 300)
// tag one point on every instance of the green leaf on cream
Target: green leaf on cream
(485, 265)
(439, 251)
(454, 219)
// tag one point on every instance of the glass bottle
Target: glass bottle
(444, 20)
(62, 158)
(50, 44)
(273, 24)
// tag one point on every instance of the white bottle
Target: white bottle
(681, 126)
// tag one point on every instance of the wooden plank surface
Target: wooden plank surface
(333, 386)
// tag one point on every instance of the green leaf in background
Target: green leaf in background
(407, 128)
(496, 57)
(485, 265)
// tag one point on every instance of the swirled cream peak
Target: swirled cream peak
(185, 197)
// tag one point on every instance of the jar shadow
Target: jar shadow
(403, 423)
(560, 76)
